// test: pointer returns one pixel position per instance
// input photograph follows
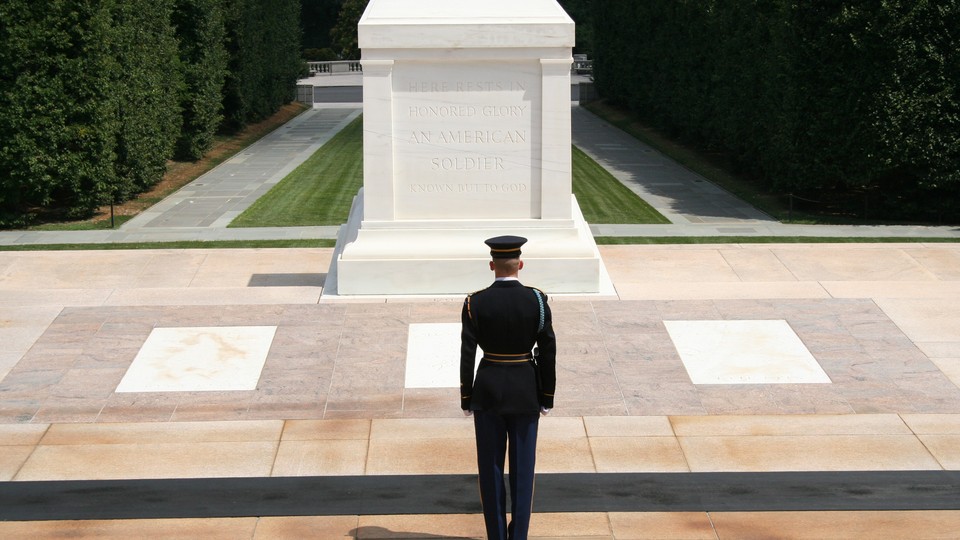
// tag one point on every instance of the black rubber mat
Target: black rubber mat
(457, 494)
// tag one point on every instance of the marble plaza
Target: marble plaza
(364, 388)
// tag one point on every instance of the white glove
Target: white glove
(545, 411)
(467, 412)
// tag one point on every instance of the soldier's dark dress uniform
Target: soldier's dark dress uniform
(504, 321)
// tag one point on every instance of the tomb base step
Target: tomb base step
(450, 258)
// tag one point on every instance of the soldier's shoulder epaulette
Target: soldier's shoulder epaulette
(469, 294)
(478, 291)
(466, 303)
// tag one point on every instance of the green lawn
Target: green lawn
(660, 240)
(604, 199)
(603, 240)
(320, 191)
(192, 244)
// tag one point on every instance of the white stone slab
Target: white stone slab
(464, 23)
(433, 356)
(464, 11)
(199, 359)
(744, 352)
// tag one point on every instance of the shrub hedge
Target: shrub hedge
(58, 118)
(203, 58)
(833, 101)
(97, 95)
(263, 40)
(147, 91)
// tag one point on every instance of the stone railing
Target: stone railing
(581, 65)
(332, 68)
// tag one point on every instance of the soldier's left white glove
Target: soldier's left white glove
(545, 411)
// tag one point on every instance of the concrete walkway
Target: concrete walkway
(682, 196)
(695, 206)
(222, 194)
(202, 209)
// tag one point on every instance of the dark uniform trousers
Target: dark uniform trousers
(506, 396)
(493, 430)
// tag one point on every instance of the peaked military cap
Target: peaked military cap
(505, 247)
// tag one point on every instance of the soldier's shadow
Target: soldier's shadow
(380, 532)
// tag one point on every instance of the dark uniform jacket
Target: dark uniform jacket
(503, 321)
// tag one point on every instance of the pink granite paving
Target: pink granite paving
(348, 361)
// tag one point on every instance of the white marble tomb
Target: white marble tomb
(466, 136)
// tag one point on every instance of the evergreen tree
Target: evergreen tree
(344, 33)
(853, 104)
(148, 88)
(203, 59)
(282, 58)
(263, 42)
(57, 108)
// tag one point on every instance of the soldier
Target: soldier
(513, 385)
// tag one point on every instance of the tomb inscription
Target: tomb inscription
(464, 140)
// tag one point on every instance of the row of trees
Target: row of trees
(97, 95)
(819, 99)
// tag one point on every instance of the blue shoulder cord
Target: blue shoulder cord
(536, 351)
(539, 301)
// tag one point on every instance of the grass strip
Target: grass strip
(319, 191)
(193, 244)
(98, 223)
(661, 240)
(604, 199)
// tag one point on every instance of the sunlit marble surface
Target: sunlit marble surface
(433, 356)
(199, 359)
(744, 352)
